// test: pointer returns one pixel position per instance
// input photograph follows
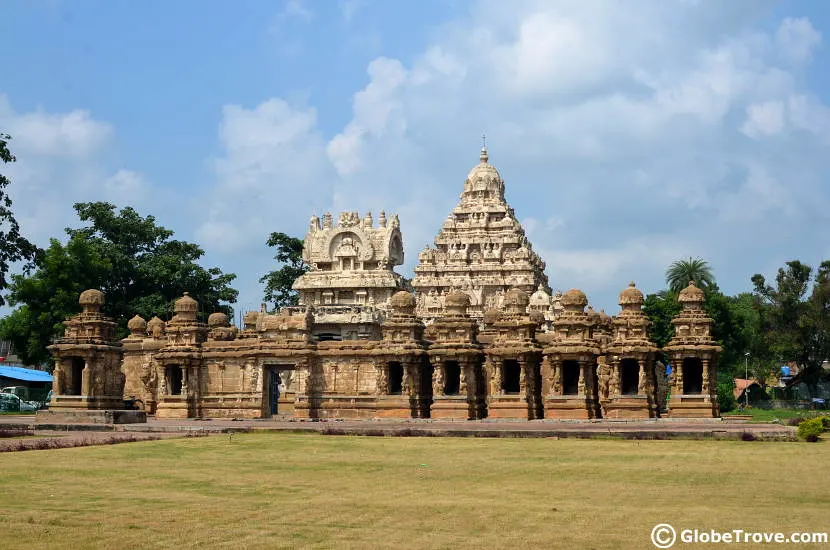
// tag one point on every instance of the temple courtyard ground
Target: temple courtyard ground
(307, 490)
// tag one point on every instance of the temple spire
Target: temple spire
(484, 157)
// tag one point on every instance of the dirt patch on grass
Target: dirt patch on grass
(29, 440)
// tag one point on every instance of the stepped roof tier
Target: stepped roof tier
(481, 250)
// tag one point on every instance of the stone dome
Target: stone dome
(153, 323)
(457, 302)
(491, 316)
(631, 296)
(402, 300)
(604, 317)
(137, 325)
(250, 318)
(91, 300)
(484, 170)
(457, 298)
(574, 298)
(540, 298)
(691, 295)
(218, 319)
(516, 301)
(593, 314)
(186, 304)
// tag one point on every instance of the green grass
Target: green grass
(312, 491)
(772, 415)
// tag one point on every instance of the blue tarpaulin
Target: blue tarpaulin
(26, 375)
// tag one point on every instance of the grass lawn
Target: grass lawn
(306, 490)
(771, 415)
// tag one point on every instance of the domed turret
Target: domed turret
(631, 297)
(218, 319)
(691, 296)
(250, 319)
(402, 303)
(540, 299)
(516, 301)
(574, 300)
(137, 326)
(91, 300)
(484, 179)
(456, 303)
(491, 316)
(155, 327)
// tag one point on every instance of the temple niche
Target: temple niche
(481, 250)
(351, 276)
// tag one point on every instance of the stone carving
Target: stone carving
(479, 237)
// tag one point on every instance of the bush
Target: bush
(811, 429)
(726, 399)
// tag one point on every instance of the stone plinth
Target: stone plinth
(693, 406)
(572, 407)
(510, 406)
(83, 416)
(452, 407)
(629, 406)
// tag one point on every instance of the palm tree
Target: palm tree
(681, 272)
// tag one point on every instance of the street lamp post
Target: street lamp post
(746, 377)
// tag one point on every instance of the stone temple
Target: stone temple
(477, 335)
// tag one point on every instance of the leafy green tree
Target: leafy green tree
(278, 283)
(134, 261)
(815, 324)
(681, 272)
(660, 308)
(13, 246)
(783, 309)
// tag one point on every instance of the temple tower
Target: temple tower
(351, 276)
(569, 372)
(694, 354)
(628, 390)
(481, 250)
(88, 384)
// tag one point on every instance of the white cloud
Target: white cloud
(796, 38)
(764, 119)
(625, 127)
(61, 160)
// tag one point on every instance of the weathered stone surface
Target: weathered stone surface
(481, 250)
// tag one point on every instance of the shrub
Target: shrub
(811, 429)
(726, 399)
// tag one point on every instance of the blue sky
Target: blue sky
(629, 134)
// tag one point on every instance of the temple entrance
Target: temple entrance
(511, 376)
(629, 377)
(692, 376)
(173, 373)
(452, 378)
(274, 382)
(76, 377)
(570, 377)
(395, 378)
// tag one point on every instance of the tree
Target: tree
(782, 311)
(681, 272)
(134, 261)
(278, 283)
(13, 246)
(660, 308)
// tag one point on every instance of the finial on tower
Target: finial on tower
(484, 157)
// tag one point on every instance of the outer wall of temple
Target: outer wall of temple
(482, 336)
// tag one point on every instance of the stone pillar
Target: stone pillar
(581, 389)
(705, 386)
(438, 380)
(556, 377)
(86, 376)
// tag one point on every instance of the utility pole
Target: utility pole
(746, 375)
